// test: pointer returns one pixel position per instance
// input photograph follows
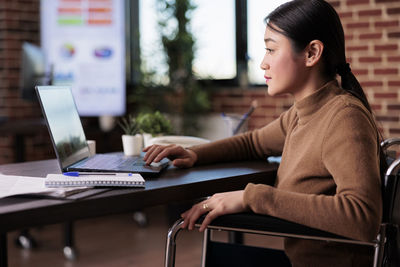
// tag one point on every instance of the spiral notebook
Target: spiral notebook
(60, 180)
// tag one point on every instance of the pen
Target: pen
(77, 174)
(253, 106)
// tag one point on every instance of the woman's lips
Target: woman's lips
(267, 78)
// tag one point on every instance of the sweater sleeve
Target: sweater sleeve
(257, 144)
(352, 160)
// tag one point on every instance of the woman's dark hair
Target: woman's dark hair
(303, 21)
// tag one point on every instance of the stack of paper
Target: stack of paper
(11, 185)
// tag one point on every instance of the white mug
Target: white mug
(92, 147)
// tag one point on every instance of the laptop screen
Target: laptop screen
(64, 124)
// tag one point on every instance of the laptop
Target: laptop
(69, 141)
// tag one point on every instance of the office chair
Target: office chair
(386, 245)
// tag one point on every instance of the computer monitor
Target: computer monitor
(33, 71)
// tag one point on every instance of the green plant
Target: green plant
(179, 46)
(153, 123)
(129, 125)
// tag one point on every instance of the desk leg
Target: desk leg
(3, 250)
(19, 145)
(69, 250)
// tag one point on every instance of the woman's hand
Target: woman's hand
(217, 205)
(182, 158)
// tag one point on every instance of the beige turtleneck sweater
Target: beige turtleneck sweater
(328, 178)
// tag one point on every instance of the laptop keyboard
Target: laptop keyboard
(109, 162)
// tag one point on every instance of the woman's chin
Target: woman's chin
(271, 91)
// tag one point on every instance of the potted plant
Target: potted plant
(153, 124)
(132, 140)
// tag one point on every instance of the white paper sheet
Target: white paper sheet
(11, 185)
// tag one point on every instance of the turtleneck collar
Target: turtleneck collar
(311, 104)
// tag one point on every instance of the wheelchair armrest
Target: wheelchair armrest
(256, 223)
(385, 144)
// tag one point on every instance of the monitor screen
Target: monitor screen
(33, 71)
(84, 41)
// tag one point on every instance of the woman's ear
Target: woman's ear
(314, 52)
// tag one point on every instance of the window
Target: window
(227, 40)
(213, 26)
(151, 50)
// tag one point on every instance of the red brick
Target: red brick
(357, 25)
(260, 94)
(235, 95)
(357, 2)
(388, 47)
(268, 106)
(371, 84)
(360, 71)
(385, 71)
(392, 23)
(370, 59)
(357, 48)
(394, 131)
(394, 34)
(394, 83)
(393, 107)
(372, 12)
(385, 95)
(345, 14)
(387, 118)
(393, 59)
(370, 36)
(376, 107)
(393, 11)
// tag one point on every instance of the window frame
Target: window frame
(133, 47)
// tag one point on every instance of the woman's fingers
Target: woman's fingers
(146, 148)
(148, 151)
(219, 204)
(195, 216)
(181, 157)
(186, 215)
(169, 151)
(208, 219)
(154, 151)
(152, 154)
(191, 216)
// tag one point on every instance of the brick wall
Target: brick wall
(372, 29)
(19, 22)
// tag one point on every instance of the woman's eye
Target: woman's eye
(269, 51)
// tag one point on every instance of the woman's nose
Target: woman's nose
(264, 65)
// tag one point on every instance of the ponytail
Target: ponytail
(351, 85)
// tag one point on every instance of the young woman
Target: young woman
(329, 176)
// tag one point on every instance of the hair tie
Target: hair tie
(343, 69)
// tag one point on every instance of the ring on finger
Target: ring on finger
(206, 207)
